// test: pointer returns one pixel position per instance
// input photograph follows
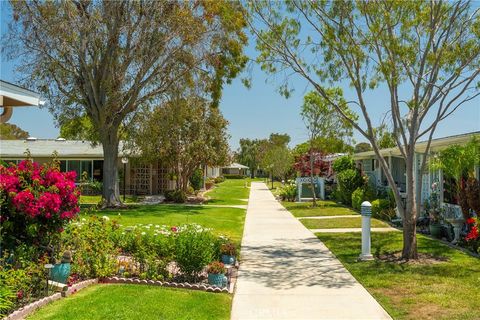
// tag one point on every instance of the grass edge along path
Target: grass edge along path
(443, 289)
(341, 223)
(229, 192)
(116, 301)
(323, 208)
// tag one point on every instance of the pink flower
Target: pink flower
(174, 229)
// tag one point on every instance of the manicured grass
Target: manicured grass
(340, 223)
(231, 191)
(96, 199)
(323, 208)
(441, 290)
(226, 221)
(137, 302)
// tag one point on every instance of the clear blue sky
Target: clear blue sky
(252, 113)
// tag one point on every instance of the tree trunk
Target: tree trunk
(110, 192)
(312, 185)
(410, 213)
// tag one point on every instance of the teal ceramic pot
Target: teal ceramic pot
(227, 259)
(60, 272)
(436, 230)
(217, 279)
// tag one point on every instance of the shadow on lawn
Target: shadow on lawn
(163, 210)
(286, 265)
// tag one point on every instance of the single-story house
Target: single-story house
(87, 161)
(368, 163)
(236, 168)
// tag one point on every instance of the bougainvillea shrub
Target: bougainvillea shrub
(36, 203)
(472, 239)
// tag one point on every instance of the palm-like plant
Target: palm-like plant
(459, 163)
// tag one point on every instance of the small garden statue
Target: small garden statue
(61, 271)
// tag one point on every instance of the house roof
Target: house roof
(12, 95)
(46, 147)
(235, 166)
(436, 145)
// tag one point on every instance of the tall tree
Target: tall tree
(105, 59)
(324, 125)
(184, 134)
(9, 131)
(425, 53)
(248, 154)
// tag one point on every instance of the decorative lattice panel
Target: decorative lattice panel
(141, 179)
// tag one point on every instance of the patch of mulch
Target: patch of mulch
(423, 258)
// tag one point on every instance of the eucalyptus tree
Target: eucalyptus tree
(426, 54)
(105, 59)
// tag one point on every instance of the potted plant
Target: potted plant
(433, 210)
(229, 252)
(216, 274)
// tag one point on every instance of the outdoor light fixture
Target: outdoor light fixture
(124, 161)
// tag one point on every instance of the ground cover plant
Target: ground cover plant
(444, 286)
(137, 302)
(335, 223)
(230, 192)
(323, 208)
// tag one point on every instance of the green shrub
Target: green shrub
(288, 192)
(343, 163)
(194, 248)
(91, 241)
(358, 196)
(177, 196)
(233, 176)
(196, 180)
(7, 299)
(348, 181)
(381, 209)
(219, 179)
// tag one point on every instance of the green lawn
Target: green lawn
(226, 221)
(441, 290)
(324, 208)
(230, 192)
(96, 199)
(340, 223)
(137, 302)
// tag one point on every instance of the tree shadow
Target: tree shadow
(292, 263)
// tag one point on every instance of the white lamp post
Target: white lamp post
(366, 211)
(124, 161)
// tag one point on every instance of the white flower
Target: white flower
(144, 233)
(105, 218)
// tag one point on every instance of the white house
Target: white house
(370, 166)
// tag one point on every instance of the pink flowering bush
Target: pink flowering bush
(36, 202)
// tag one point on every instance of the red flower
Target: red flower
(174, 229)
(19, 294)
(471, 221)
(473, 234)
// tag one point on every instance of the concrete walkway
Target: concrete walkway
(287, 273)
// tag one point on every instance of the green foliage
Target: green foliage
(228, 248)
(362, 147)
(382, 209)
(196, 180)
(288, 192)
(216, 267)
(348, 181)
(219, 179)
(7, 298)
(177, 196)
(9, 131)
(343, 163)
(233, 176)
(91, 242)
(194, 249)
(358, 196)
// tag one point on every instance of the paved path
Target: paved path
(287, 273)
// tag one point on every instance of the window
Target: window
(86, 169)
(98, 170)
(63, 165)
(75, 165)
(8, 162)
